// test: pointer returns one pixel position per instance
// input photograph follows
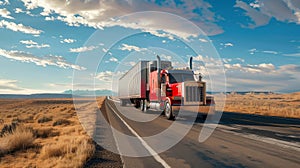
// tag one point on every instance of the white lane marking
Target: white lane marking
(150, 150)
(281, 143)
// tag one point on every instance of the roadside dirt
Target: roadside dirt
(58, 138)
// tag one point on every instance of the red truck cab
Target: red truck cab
(179, 88)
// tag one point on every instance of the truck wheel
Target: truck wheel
(137, 103)
(168, 111)
(122, 102)
(143, 106)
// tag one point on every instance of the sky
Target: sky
(53, 45)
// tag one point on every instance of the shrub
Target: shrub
(44, 119)
(71, 152)
(61, 122)
(19, 138)
(45, 133)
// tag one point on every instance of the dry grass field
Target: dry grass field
(42, 133)
(282, 105)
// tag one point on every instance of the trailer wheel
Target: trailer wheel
(168, 111)
(123, 102)
(137, 103)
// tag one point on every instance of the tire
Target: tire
(168, 111)
(137, 103)
(143, 106)
(123, 102)
(204, 116)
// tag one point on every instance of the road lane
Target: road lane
(226, 147)
(144, 143)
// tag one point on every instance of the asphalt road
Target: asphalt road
(240, 140)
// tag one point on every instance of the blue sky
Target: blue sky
(44, 42)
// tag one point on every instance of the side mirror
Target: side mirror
(200, 77)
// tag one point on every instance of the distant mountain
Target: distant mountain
(65, 94)
(289, 91)
(90, 92)
(242, 92)
(35, 96)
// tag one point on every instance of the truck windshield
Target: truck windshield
(177, 78)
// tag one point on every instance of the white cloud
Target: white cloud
(198, 58)
(38, 46)
(46, 12)
(5, 2)
(203, 40)
(107, 76)
(270, 52)
(83, 49)
(207, 60)
(290, 68)
(227, 45)
(294, 41)
(33, 44)
(5, 13)
(257, 17)
(6, 84)
(113, 59)
(77, 86)
(263, 10)
(68, 40)
(28, 42)
(255, 4)
(240, 59)
(9, 86)
(130, 63)
(96, 13)
(166, 57)
(19, 27)
(131, 48)
(247, 77)
(251, 68)
(19, 10)
(226, 60)
(50, 18)
(262, 77)
(292, 55)
(254, 50)
(57, 61)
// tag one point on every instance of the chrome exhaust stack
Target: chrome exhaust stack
(158, 79)
(191, 63)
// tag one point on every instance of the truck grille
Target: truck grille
(194, 93)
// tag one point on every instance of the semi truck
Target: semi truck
(157, 85)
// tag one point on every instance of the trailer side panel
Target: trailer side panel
(133, 84)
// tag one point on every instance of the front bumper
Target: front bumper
(207, 109)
